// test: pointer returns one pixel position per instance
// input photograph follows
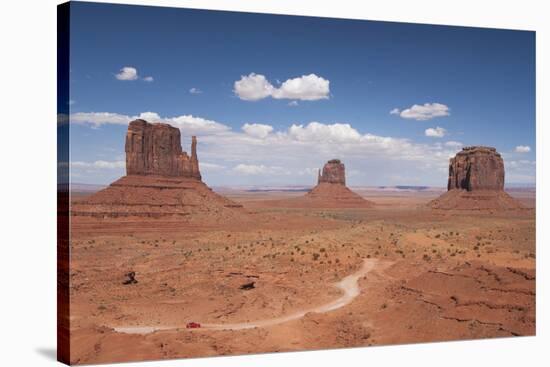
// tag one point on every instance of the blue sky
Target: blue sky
(271, 98)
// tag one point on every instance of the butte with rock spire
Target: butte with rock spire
(162, 181)
(331, 190)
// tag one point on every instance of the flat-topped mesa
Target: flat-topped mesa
(476, 168)
(476, 182)
(155, 149)
(333, 172)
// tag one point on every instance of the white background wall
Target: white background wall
(28, 181)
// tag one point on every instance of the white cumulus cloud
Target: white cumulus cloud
(307, 88)
(435, 132)
(131, 73)
(257, 130)
(196, 125)
(99, 118)
(127, 73)
(261, 154)
(317, 131)
(427, 111)
(287, 152)
(195, 91)
(523, 149)
(254, 87)
(149, 116)
(189, 124)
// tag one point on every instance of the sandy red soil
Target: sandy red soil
(438, 275)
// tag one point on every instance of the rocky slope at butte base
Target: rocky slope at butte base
(155, 197)
(328, 195)
(475, 200)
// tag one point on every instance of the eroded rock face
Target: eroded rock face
(476, 168)
(155, 149)
(476, 182)
(334, 172)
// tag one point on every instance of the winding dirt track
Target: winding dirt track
(349, 285)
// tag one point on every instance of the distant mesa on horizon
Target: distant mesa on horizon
(476, 182)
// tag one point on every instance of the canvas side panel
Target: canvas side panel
(63, 192)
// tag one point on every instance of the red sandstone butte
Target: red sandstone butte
(476, 182)
(161, 181)
(331, 191)
(334, 172)
(155, 149)
(476, 168)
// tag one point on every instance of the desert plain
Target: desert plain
(281, 277)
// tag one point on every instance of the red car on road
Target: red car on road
(193, 325)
